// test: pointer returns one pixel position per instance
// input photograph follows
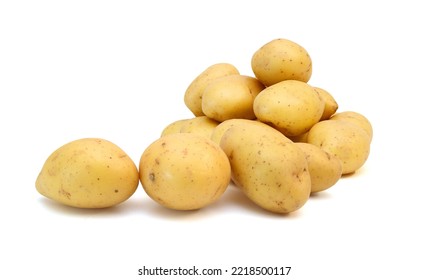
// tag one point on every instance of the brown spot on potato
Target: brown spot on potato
(152, 177)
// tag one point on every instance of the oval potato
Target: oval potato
(193, 94)
(280, 60)
(292, 107)
(184, 171)
(88, 173)
(344, 140)
(231, 97)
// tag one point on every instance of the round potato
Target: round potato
(88, 173)
(193, 94)
(231, 97)
(355, 118)
(174, 127)
(270, 169)
(330, 104)
(344, 140)
(292, 107)
(200, 125)
(280, 60)
(325, 170)
(184, 171)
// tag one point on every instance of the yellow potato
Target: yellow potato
(88, 173)
(330, 106)
(280, 60)
(292, 107)
(193, 94)
(200, 125)
(184, 171)
(325, 170)
(174, 127)
(218, 132)
(344, 140)
(302, 138)
(270, 169)
(231, 97)
(355, 118)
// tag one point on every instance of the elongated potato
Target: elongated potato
(270, 169)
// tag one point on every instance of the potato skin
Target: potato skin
(292, 107)
(200, 125)
(231, 97)
(344, 140)
(173, 127)
(268, 167)
(184, 171)
(193, 94)
(280, 60)
(325, 169)
(88, 173)
(219, 131)
(330, 106)
(357, 119)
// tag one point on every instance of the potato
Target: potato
(344, 140)
(193, 94)
(270, 169)
(218, 132)
(200, 125)
(174, 127)
(325, 170)
(330, 106)
(88, 173)
(231, 97)
(292, 107)
(280, 60)
(184, 171)
(355, 118)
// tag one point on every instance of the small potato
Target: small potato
(280, 60)
(184, 171)
(174, 127)
(325, 170)
(200, 125)
(218, 132)
(330, 106)
(88, 173)
(344, 140)
(292, 107)
(231, 97)
(270, 169)
(355, 118)
(193, 94)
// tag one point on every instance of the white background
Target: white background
(118, 70)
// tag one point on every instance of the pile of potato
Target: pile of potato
(273, 135)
